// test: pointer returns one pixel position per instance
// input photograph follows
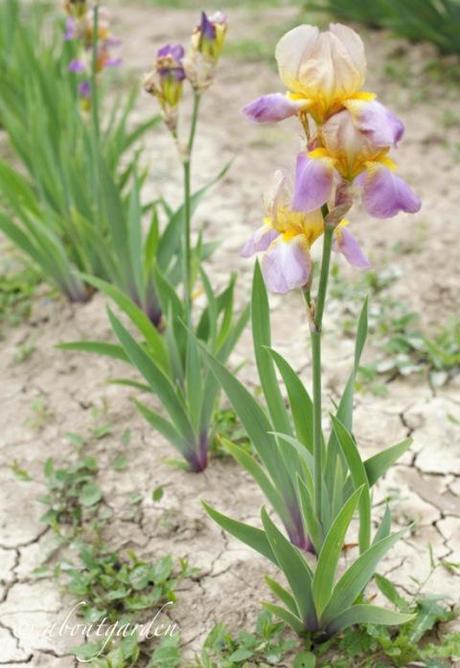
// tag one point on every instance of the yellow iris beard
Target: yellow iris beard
(350, 168)
(321, 107)
(292, 224)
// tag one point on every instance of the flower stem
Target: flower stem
(315, 333)
(187, 253)
(94, 95)
(196, 108)
(187, 269)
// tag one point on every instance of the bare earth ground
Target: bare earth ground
(425, 486)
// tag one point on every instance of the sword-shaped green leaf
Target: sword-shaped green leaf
(255, 423)
(282, 594)
(292, 620)
(256, 471)
(260, 316)
(296, 570)
(359, 477)
(165, 428)
(153, 338)
(299, 400)
(377, 465)
(157, 380)
(356, 577)
(345, 411)
(328, 559)
(367, 614)
(247, 534)
(97, 347)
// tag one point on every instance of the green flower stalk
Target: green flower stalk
(172, 68)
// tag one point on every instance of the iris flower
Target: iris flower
(321, 71)
(82, 28)
(166, 80)
(354, 147)
(286, 237)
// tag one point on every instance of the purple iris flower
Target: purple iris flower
(207, 28)
(76, 65)
(69, 29)
(169, 61)
(84, 89)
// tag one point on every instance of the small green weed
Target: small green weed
(24, 351)
(130, 652)
(373, 646)
(114, 591)
(101, 416)
(267, 646)
(367, 646)
(17, 289)
(73, 495)
(41, 414)
(20, 472)
(227, 425)
(124, 593)
(116, 588)
(403, 348)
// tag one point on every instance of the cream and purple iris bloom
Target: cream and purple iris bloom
(286, 237)
(354, 147)
(321, 71)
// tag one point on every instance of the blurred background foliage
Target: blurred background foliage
(435, 21)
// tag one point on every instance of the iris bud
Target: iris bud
(209, 37)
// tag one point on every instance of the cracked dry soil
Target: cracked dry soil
(424, 487)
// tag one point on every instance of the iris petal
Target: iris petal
(259, 241)
(292, 51)
(314, 180)
(346, 243)
(380, 125)
(271, 108)
(286, 265)
(385, 194)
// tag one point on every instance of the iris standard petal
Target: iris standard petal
(313, 184)
(380, 125)
(346, 243)
(259, 241)
(385, 193)
(292, 51)
(286, 265)
(271, 108)
(352, 43)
